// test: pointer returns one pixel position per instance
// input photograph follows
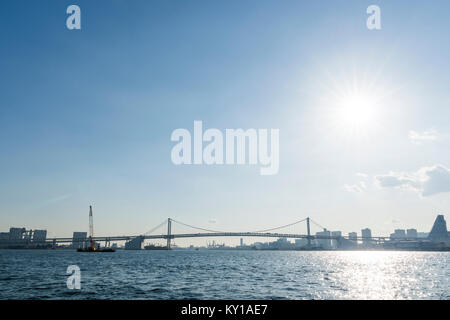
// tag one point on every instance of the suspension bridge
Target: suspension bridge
(169, 236)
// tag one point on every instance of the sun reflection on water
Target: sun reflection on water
(376, 274)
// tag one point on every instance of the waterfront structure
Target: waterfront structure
(439, 231)
(398, 234)
(422, 235)
(366, 235)
(282, 243)
(335, 242)
(411, 234)
(134, 244)
(324, 243)
(438, 239)
(79, 240)
(299, 243)
(4, 236)
(39, 236)
(353, 236)
(16, 234)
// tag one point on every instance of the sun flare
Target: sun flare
(356, 111)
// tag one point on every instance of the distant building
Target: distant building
(134, 244)
(398, 234)
(353, 236)
(335, 242)
(242, 242)
(79, 240)
(422, 235)
(28, 235)
(439, 231)
(303, 242)
(39, 236)
(16, 235)
(411, 234)
(4, 236)
(281, 243)
(326, 242)
(366, 235)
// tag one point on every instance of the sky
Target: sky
(86, 115)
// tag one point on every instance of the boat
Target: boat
(89, 249)
(153, 247)
(92, 247)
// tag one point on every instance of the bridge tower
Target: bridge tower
(308, 229)
(169, 232)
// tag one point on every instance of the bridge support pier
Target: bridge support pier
(169, 233)
(308, 228)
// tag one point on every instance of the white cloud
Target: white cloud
(420, 138)
(356, 188)
(426, 181)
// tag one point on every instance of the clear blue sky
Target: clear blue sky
(86, 116)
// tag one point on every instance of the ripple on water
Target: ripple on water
(41, 274)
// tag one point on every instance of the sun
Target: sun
(356, 111)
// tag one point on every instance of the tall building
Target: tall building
(39, 236)
(439, 230)
(79, 240)
(16, 234)
(353, 236)
(242, 242)
(366, 235)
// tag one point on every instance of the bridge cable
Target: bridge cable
(287, 225)
(155, 228)
(258, 231)
(317, 224)
(188, 225)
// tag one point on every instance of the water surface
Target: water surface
(41, 274)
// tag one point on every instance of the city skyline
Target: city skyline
(438, 233)
(87, 115)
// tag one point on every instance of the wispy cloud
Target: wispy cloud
(427, 181)
(55, 200)
(420, 138)
(359, 187)
(356, 188)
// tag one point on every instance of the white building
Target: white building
(324, 243)
(335, 242)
